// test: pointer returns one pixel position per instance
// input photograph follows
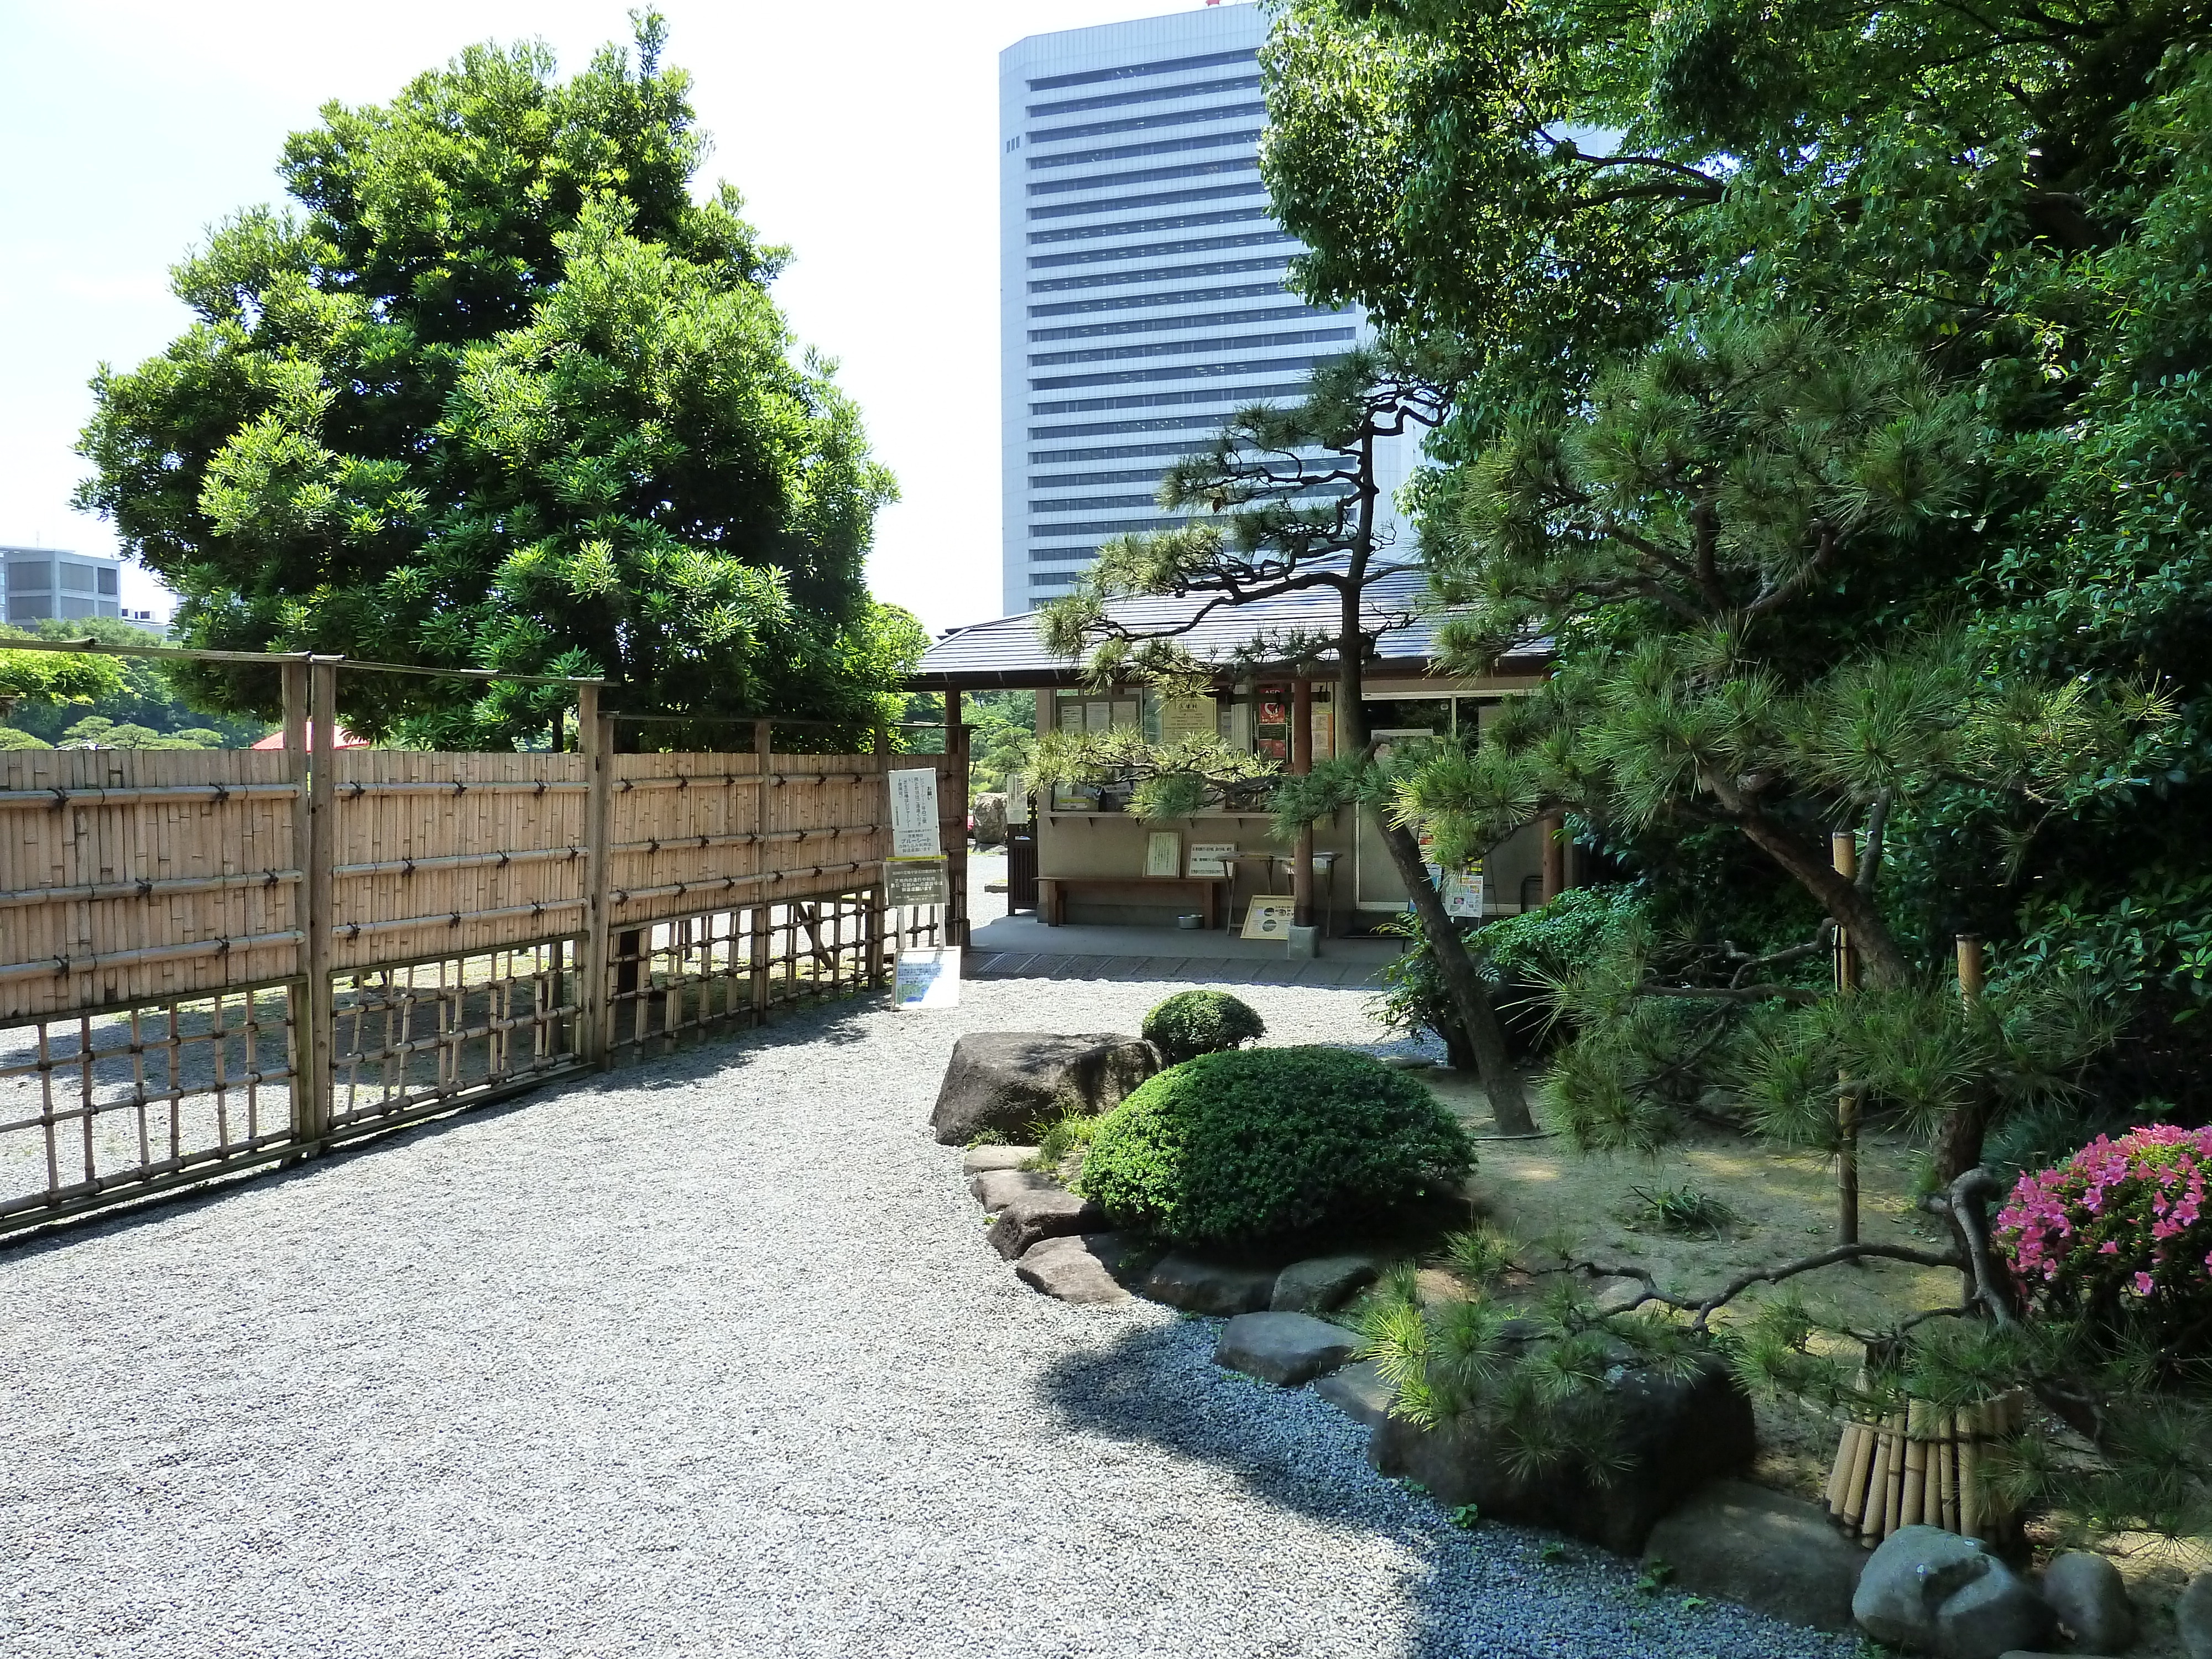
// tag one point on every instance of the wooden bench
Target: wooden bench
(1052, 891)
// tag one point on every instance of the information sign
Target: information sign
(1270, 917)
(913, 813)
(927, 978)
(1212, 858)
(1463, 892)
(916, 881)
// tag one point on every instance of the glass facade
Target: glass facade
(1087, 255)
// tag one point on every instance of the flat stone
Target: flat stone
(2091, 1599)
(1034, 1216)
(2192, 1616)
(1322, 1282)
(1615, 1294)
(1765, 1549)
(1675, 1433)
(1285, 1349)
(1009, 1082)
(977, 1160)
(1935, 1591)
(1197, 1285)
(1069, 1268)
(996, 1188)
(1361, 1392)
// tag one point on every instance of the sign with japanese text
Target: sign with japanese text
(914, 812)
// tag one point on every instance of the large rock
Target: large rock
(2091, 1600)
(989, 813)
(1283, 1348)
(1074, 1269)
(996, 1188)
(1035, 1216)
(978, 1160)
(1766, 1550)
(1006, 1083)
(1322, 1282)
(1197, 1285)
(1674, 1435)
(2192, 1615)
(1361, 1392)
(1934, 1590)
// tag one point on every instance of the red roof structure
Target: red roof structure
(346, 739)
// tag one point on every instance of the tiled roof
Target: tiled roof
(1009, 653)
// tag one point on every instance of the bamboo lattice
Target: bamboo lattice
(1923, 1467)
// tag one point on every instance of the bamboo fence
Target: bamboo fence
(1923, 1467)
(186, 935)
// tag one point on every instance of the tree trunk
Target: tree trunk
(1851, 907)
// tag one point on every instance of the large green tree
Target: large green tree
(499, 393)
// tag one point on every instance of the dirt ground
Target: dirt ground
(1785, 1207)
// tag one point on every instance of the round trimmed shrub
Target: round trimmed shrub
(1256, 1142)
(2121, 1226)
(1193, 1022)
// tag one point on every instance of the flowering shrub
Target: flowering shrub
(2122, 1224)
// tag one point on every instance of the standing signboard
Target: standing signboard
(916, 881)
(927, 978)
(913, 813)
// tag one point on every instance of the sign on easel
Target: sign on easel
(927, 978)
(914, 812)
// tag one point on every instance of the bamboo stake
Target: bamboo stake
(1839, 1473)
(322, 843)
(1871, 1517)
(1918, 1413)
(1970, 1485)
(1844, 852)
(1892, 1505)
(596, 737)
(1946, 1473)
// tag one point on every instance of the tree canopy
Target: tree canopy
(499, 392)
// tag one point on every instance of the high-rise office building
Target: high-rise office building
(1142, 296)
(42, 582)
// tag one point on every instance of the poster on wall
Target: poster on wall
(914, 812)
(1462, 891)
(1185, 718)
(1211, 858)
(916, 881)
(1164, 853)
(927, 978)
(1270, 917)
(1018, 799)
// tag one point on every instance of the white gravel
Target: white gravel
(709, 1359)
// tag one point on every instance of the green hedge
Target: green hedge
(1193, 1022)
(1255, 1142)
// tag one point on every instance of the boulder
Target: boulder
(2192, 1616)
(978, 1159)
(1197, 1285)
(2091, 1599)
(1322, 1282)
(1674, 1435)
(1360, 1392)
(988, 815)
(1931, 1590)
(1006, 1083)
(1034, 1216)
(1768, 1551)
(996, 1188)
(1072, 1269)
(1283, 1348)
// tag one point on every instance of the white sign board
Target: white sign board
(1211, 858)
(1463, 893)
(1018, 799)
(926, 978)
(914, 812)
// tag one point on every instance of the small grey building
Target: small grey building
(43, 582)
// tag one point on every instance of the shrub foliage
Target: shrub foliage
(1258, 1142)
(1193, 1022)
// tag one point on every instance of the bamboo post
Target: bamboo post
(1920, 1415)
(1839, 1474)
(1877, 1484)
(322, 851)
(1892, 1502)
(1301, 881)
(1970, 1485)
(595, 735)
(1842, 849)
(1972, 967)
(760, 963)
(1553, 828)
(306, 1058)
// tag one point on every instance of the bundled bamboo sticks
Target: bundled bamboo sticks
(1923, 1467)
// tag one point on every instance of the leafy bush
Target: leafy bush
(2119, 1228)
(1263, 1141)
(1193, 1022)
(1514, 952)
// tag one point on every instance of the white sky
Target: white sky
(863, 134)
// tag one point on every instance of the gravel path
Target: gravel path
(709, 1358)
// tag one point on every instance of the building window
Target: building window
(108, 580)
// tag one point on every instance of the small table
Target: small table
(1052, 891)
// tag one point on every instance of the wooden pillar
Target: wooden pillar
(953, 780)
(322, 843)
(1302, 876)
(1554, 829)
(1844, 852)
(595, 737)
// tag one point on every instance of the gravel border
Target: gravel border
(710, 1358)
